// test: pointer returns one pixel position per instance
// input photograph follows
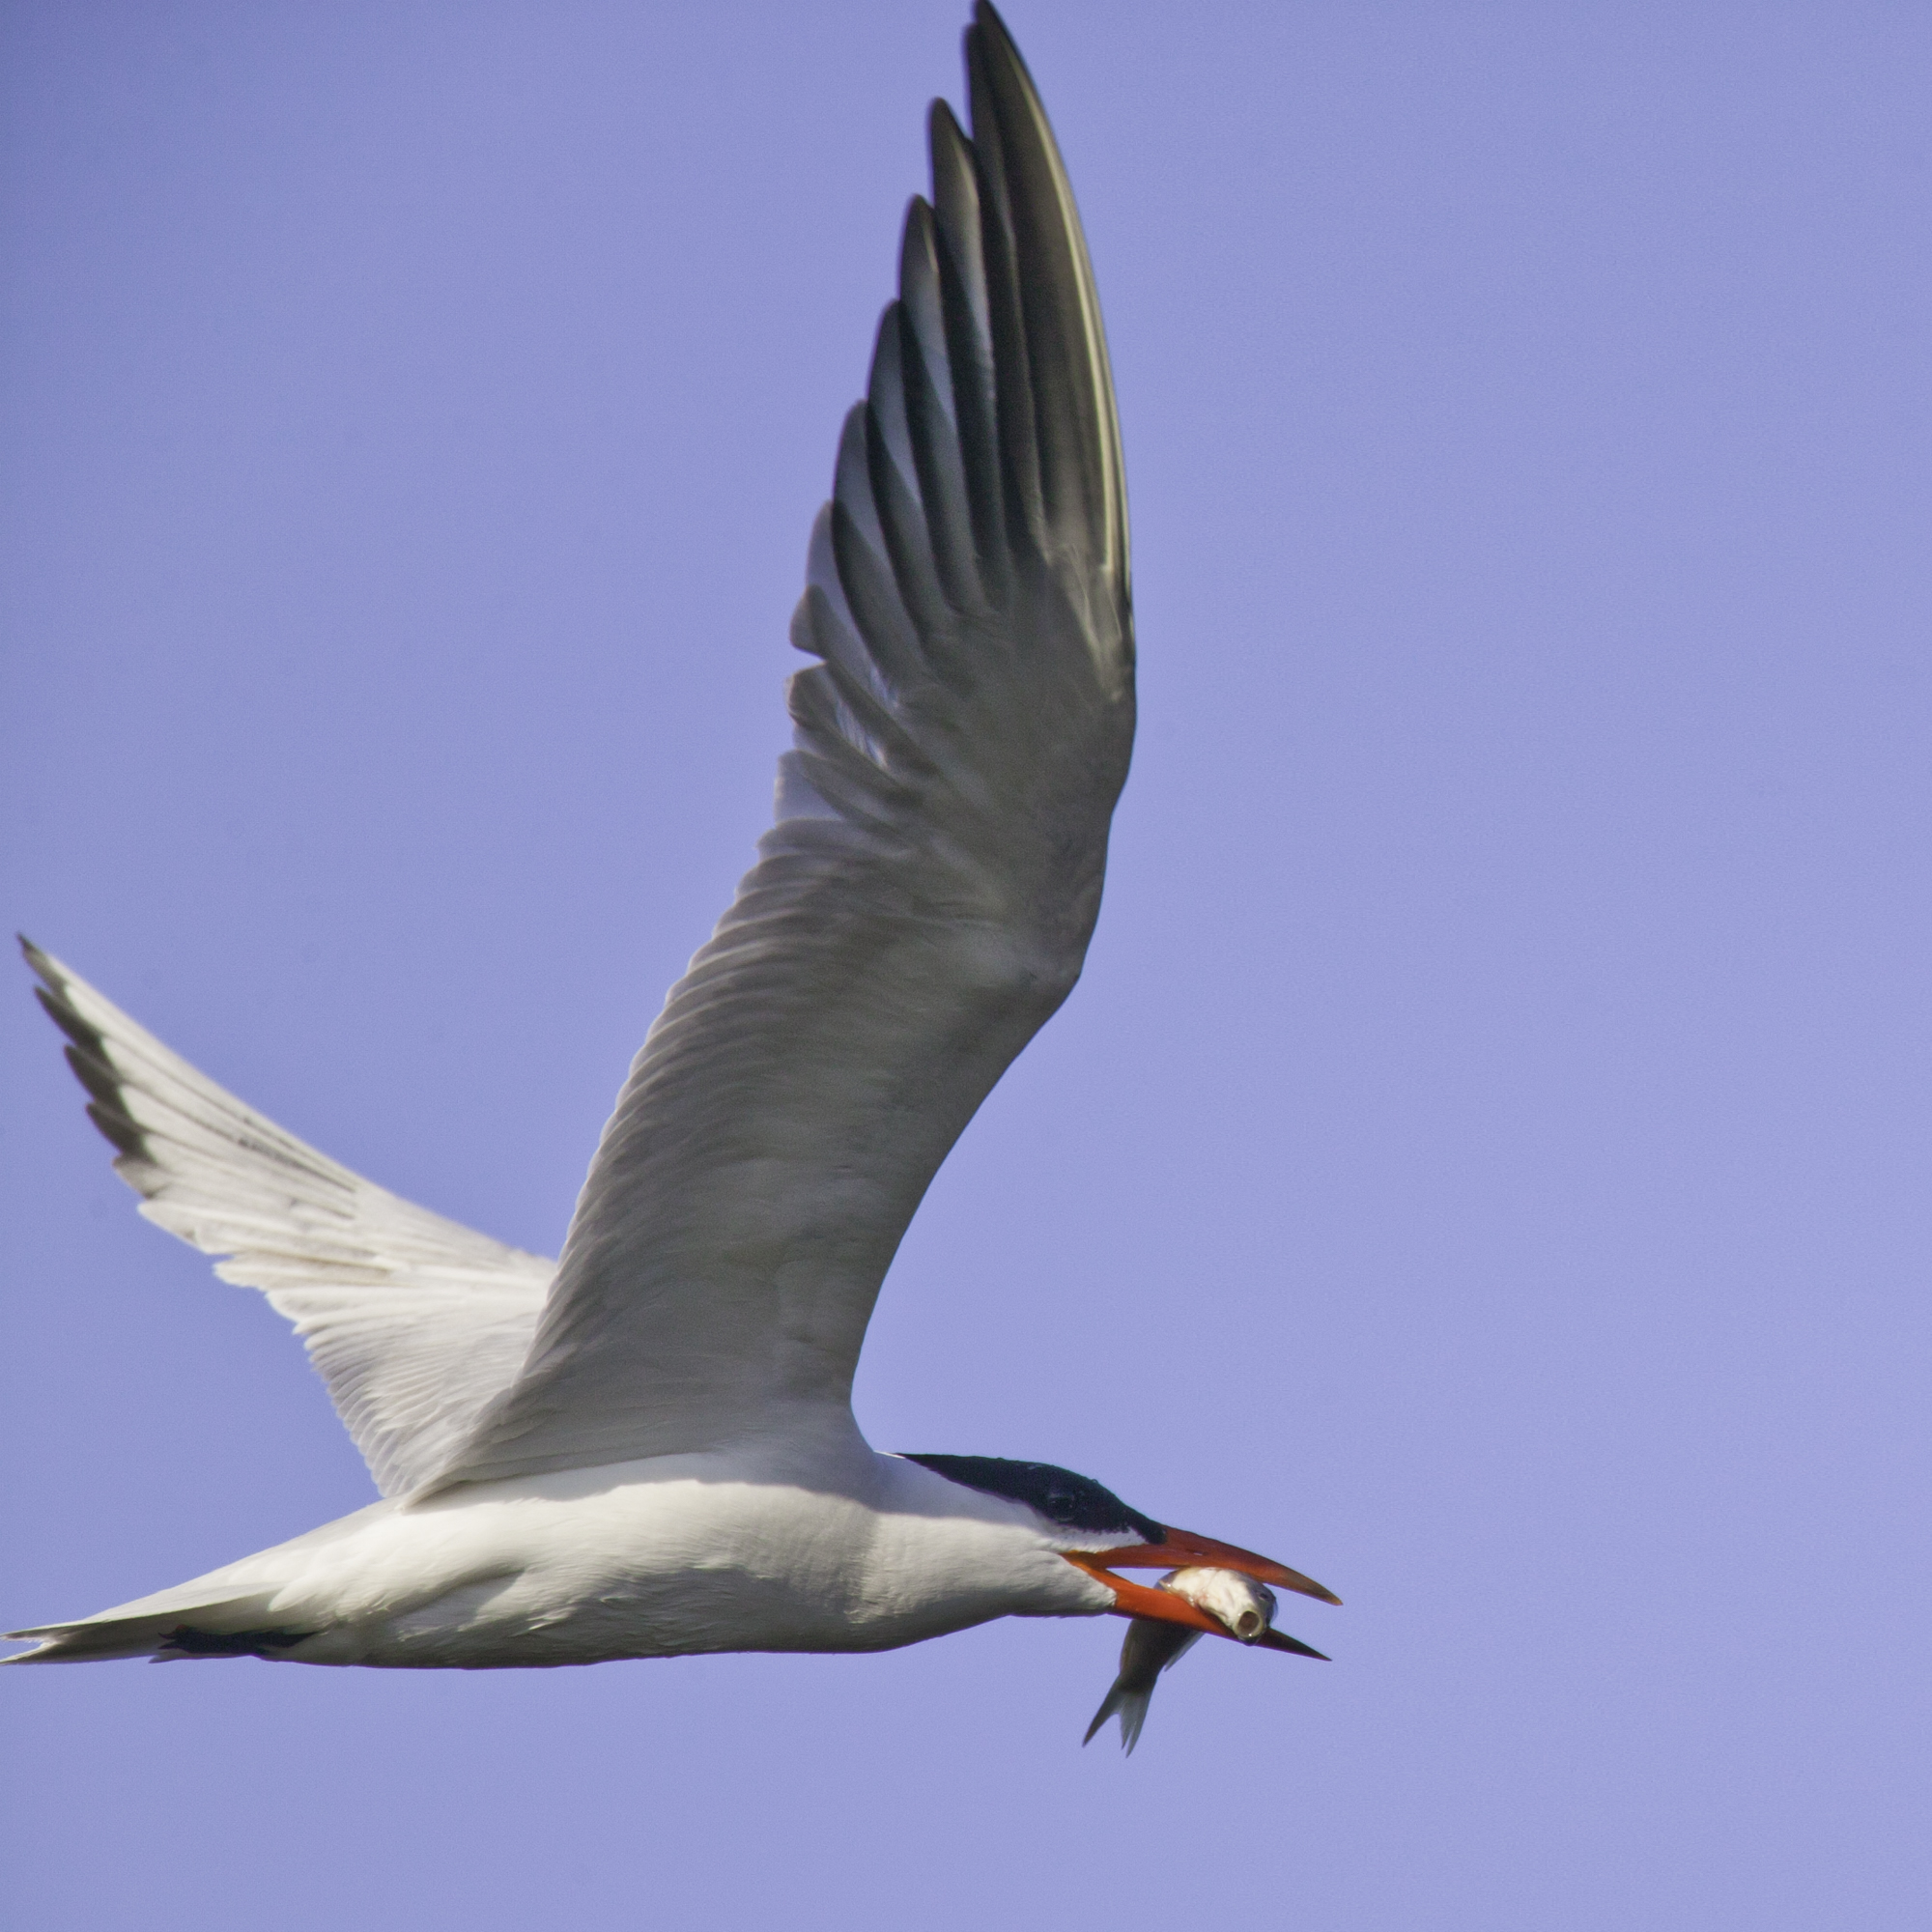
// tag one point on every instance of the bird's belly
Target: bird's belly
(566, 1570)
(529, 1621)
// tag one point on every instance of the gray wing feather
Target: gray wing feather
(413, 1321)
(924, 901)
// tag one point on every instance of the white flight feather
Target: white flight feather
(654, 1451)
(924, 901)
(414, 1322)
(921, 907)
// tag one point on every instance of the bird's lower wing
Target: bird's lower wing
(413, 1321)
(924, 901)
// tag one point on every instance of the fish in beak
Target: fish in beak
(1182, 1548)
(1221, 1593)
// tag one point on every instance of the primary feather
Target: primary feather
(924, 901)
(654, 1452)
(413, 1321)
(919, 910)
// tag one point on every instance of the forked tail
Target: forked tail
(225, 1626)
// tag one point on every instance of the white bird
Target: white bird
(649, 1448)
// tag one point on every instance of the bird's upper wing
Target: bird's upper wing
(413, 1321)
(924, 901)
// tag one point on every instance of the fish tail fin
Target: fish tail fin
(1129, 1703)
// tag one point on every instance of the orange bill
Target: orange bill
(1183, 1549)
(1140, 1599)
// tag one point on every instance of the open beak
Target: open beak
(1182, 1549)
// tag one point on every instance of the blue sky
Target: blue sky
(1487, 1162)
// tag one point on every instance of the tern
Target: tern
(648, 1447)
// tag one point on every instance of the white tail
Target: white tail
(226, 1627)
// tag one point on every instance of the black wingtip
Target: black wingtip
(943, 125)
(987, 45)
(997, 38)
(986, 15)
(88, 1059)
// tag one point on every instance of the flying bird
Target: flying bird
(648, 1447)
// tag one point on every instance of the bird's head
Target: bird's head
(1106, 1537)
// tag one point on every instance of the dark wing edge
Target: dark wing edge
(924, 901)
(412, 1321)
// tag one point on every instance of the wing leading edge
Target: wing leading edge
(924, 901)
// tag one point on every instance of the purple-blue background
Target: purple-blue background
(1487, 1163)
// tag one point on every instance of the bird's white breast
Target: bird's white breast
(837, 1549)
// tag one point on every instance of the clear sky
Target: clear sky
(1487, 1163)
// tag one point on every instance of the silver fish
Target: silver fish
(1245, 1607)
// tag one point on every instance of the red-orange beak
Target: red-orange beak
(1137, 1599)
(1183, 1548)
